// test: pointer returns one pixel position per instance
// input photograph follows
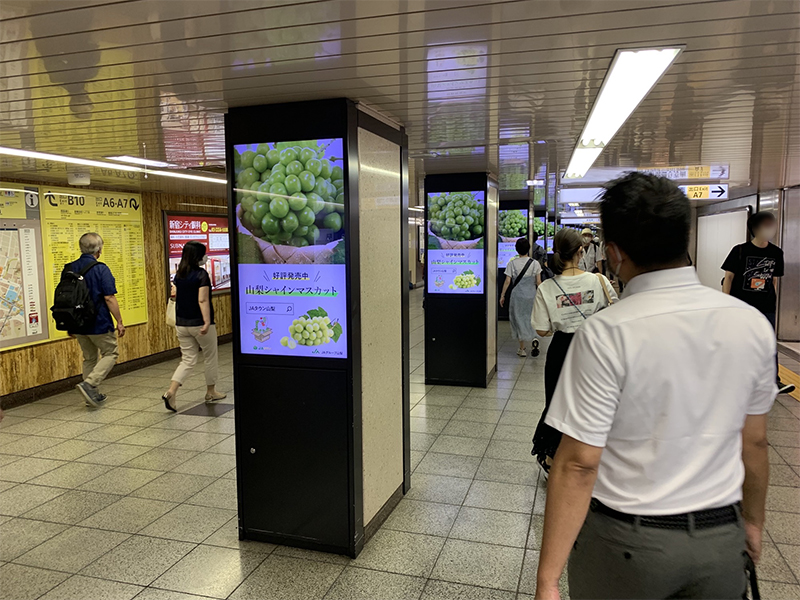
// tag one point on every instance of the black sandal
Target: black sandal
(166, 398)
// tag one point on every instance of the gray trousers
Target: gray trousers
(614, 559)
(99, 356)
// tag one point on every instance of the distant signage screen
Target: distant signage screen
(211, 231)
(290, 204)
(455, 242)
(511, 226)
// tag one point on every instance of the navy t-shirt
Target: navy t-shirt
(187, 302)
(101, 283)
(753, 271)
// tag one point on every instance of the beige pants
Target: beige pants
(191, 344)
(99, 356)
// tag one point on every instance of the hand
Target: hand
(549, 592)
(204, 329)
(120, 330)
(502, 300)
(753, 535)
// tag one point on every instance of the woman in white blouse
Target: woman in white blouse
(562, 304)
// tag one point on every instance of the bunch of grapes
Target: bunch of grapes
(456, 216)
(289, 192)
(512, 223)
(312, 329)
(466, 280)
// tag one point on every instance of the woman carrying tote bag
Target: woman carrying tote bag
(194, 320)
(523, 275)
(562, 304)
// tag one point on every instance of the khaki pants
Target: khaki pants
(99, 356)
(191, 344)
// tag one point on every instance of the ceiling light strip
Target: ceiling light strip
(631, 76)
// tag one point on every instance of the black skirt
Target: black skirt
(546, 439)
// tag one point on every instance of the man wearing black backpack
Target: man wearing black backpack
(97, 336)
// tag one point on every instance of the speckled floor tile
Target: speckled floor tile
(18, 536)
(70, 449)
(29, 445)
(160, 459)
(508, 471)
(152, 436)
(501, 496)
(79, 587)
(114, 454)
(139, 560)
(129, 515)
(783, 527)
(220, 494)
(18, 582)
(446, 590)
(227, 536)
(209, 571)
(196, 441)
(400, 552)
(72, 507)
(207, 464)
(72, 549)
(463, 446)
(182, 422)
(120, 480)
(451, 465)
(174, 487)
(27, 468)
(71, 429)
(470, 429)
(286, 578)
(491, 527)
(425, 425)
(365, 584)
(189, 523)
(484, 565)
(438, 488)
(422, 517)
(25, 497)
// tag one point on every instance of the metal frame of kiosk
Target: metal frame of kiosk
(461, 328)
(299, 451)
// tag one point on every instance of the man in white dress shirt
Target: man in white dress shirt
(659, 485)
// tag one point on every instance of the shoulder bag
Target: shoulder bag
(516, 281)
(171, 318)
(605, 289)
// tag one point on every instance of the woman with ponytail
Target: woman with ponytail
(562, 304)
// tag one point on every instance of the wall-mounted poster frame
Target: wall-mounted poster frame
(211, 230)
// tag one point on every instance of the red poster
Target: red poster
(210, 230)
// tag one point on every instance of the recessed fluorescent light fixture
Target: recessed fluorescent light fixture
(66, 159)
(103, 165)
(535, 182)
(141, 161)
(573, 204)
(631, 76)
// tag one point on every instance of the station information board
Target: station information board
(511, 226)
(208, 229)
(290, 204)
(455, 242)
(67, 214)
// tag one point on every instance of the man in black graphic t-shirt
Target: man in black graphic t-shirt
(751, 269)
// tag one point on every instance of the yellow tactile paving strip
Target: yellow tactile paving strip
(788, 376)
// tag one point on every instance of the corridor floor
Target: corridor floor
(132, 502)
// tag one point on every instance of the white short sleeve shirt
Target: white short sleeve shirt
(674, 370)
(563, 303)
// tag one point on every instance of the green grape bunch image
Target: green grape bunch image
(466, 280)
(512, 225)
(287, 193)
(455, 220)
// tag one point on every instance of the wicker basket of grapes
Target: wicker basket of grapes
(456, 220)
(290, 204)
(512, 225)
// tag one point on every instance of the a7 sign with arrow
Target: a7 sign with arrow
(717, 191)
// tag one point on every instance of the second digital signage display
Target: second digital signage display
(290, 201)
(455, 242)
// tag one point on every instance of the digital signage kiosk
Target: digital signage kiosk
(320, 335)
(460, 279)
(512, 224)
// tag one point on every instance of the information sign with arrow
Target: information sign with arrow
(706, 192)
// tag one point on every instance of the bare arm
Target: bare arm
(204, 298)
(539, 278)
(727, 282)
(756, 480)
(113, 308)
(569, 491)
(505, 287)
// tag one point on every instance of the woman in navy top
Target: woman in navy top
(191, 288)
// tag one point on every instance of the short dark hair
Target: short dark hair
(193, 252)
(523, 246)
(648, 217)
(758, 219)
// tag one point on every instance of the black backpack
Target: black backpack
(73, 308)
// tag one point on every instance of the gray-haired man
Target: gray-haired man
(98, 342)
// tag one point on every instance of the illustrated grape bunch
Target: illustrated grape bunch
(312, 329)
(467, 279)
(512, 223)
(456, 216)
(288, 192)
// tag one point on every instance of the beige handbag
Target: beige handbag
(171, 314)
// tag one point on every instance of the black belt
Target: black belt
(701, 519)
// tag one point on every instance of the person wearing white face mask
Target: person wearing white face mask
(194, 320)
(660, 481)
(752, 268)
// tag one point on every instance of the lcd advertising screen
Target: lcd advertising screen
(209, 230)
(455, 242)
(511, 226)
(290, 200)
